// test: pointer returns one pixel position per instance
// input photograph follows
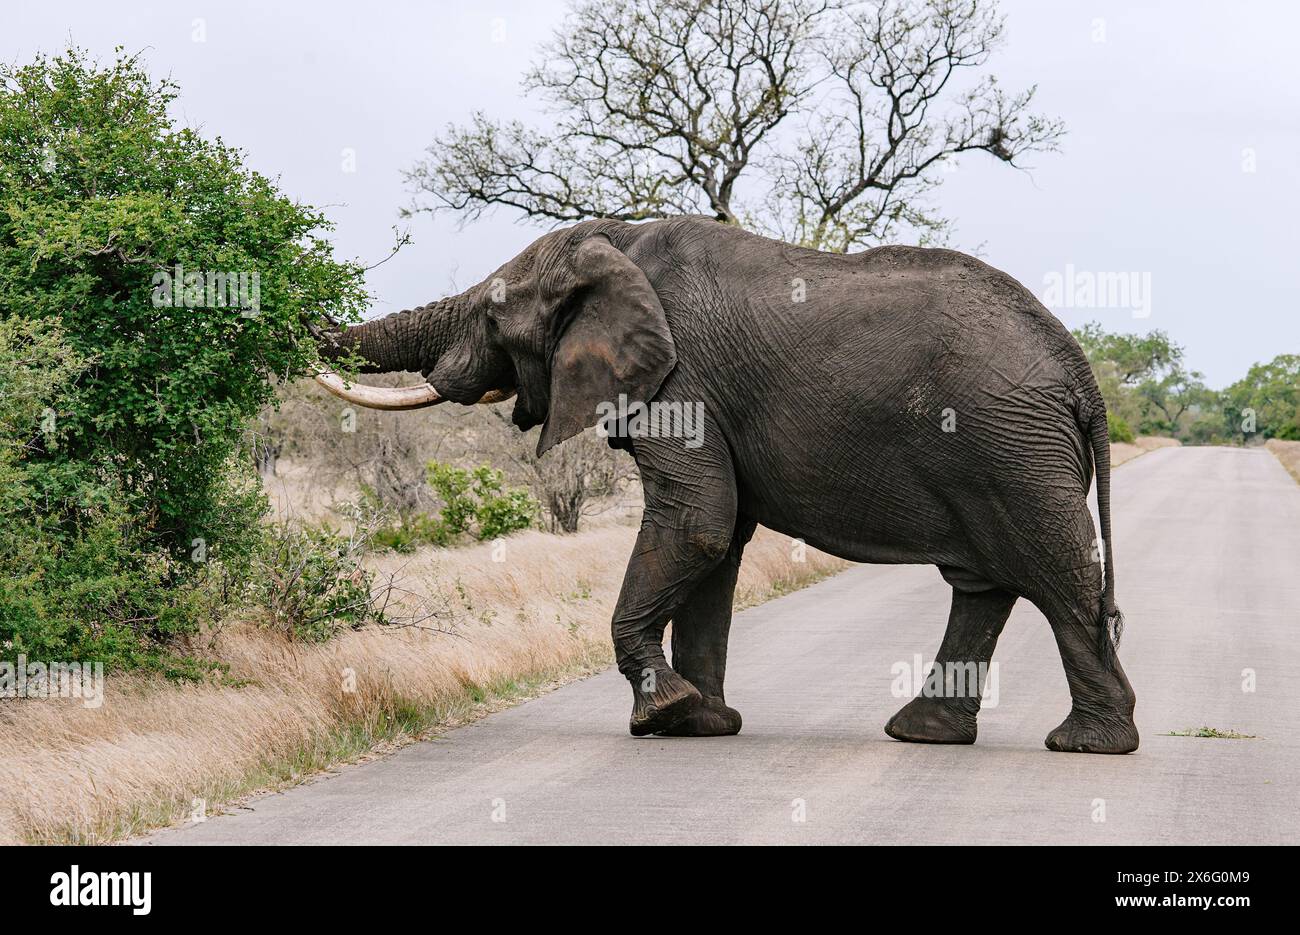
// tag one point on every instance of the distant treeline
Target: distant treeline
(1150, 391)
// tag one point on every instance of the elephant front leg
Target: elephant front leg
(686, 533)
(664, 568)
(700, 629)
(948, 716)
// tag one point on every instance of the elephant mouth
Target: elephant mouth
(399, 398)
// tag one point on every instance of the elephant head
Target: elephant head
(569, 323)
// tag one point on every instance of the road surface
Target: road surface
(1208, 561)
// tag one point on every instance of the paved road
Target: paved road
(1208, 555)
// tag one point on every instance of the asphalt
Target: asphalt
(1208, 558)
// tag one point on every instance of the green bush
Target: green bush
(309, 583)
(72, 590)
(1119, 428)
(1265, 403)
(479, 498)
(474, 502)
(455, 487)
(128, 516)
(503, 512)
(410, 532)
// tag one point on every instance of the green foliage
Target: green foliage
(1146, 385)
(501, 512)
(1141, 377)
(1119, 429)
(412, 531)
(1147, 388)
(74, 590)
(309, 582)
(1134, 357)
(454, 487)
(126, 518)
(479, 497)
(474, 502)
(1267, 398)
(1210, 733)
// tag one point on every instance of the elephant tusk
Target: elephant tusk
(496, 396)
(394, 399)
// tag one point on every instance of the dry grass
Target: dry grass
(519, 627)
(1288, 453)
(1124, 451)
(296, 493)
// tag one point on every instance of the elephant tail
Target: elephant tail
(1112, 621)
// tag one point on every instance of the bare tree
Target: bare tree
(821, 122)
(893, 117)
(578, 478)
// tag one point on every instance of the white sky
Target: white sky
(1150, 179)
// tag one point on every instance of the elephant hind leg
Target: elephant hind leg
(1067, 588)
(946, 710)
(1102, 700)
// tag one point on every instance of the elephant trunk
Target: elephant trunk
(410, 340)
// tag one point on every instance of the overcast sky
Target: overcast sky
(1181, 164)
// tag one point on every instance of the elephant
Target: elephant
(898, 405)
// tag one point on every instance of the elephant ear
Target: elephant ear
(615, 341)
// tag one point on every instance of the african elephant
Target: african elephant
(899, 405)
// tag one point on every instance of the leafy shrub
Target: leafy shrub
(479, 497)
(474, 502)
(1119, 428)
(126, 516)
(76, 567)
(455, 488)
(410, 532)
(309, 583)
(503, 512)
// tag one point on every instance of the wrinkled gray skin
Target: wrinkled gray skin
(824, 419)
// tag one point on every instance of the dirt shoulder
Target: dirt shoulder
(1121, 452)
(1288, 453)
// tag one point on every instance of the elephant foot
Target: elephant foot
(1092, 734)
(932, 720)
(669, 700)
(710, 719)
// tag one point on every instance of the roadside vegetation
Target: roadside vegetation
(1210, 733)
(281, 709)
(132, 517)
(1288, 452)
